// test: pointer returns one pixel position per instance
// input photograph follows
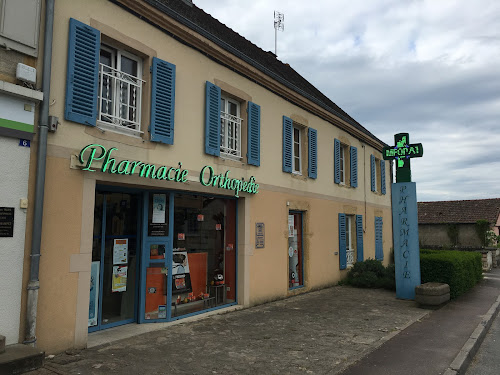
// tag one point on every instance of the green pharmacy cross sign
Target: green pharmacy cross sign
(402, 153)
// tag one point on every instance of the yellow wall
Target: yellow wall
(262, 273)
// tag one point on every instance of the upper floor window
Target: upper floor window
(377, 167)
(342, 163)
(296, 150)
(230, 128)
(345, 164)
(120, 90)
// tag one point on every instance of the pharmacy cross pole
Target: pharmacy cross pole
(402, 153)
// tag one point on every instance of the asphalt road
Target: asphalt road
(487, 359)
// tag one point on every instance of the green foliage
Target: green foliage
(371, 274)
(452, 231)
(482, 228)
(461, 270)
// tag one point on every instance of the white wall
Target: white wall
(14, 169)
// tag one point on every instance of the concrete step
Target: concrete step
(20, 358)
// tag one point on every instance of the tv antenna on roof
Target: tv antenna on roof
(279, 24)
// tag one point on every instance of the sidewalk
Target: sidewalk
(322, 332)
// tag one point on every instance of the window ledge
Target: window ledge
(104, 127)
(20, 91)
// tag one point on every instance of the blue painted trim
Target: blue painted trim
(203, 311)
(82, 73)
(162, 101)
(253, 137)
(116, 324)
(336, 161)
(301, 213)
(297, 287)
(312, 136)
(354, 166)
(287, 144)
(237, 256)
(212, 119)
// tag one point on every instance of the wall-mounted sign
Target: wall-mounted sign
(6, 221)
(96, 152)
(260, 236)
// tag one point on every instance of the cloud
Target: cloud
(425, 67)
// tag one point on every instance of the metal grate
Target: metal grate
(119, 99)
(230, 135)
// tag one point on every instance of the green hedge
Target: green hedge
(461, 270)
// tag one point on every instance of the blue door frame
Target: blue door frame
(103, 239)
(143, 256)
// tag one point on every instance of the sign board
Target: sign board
(6, 221)
(260, 237)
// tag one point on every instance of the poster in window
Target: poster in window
(119, 283)
(181, 278)
(291, 225)
(158, 208)
(94, 292)
(159, 202)
(120, 251)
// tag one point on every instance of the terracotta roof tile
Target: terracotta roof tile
(459, 212)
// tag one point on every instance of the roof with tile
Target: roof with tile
(195, 18)
(459, 212)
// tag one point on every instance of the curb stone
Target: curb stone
(468, 351)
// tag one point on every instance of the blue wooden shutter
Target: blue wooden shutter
(342, 243)
(82, 74)
(287, 144)
(359, 238)
(373, 171)
(212, 119)
(253, 146)
(379, 252)
(162, 101)
(336, 161)
(312, 135)
(354, 166)
(382, 176)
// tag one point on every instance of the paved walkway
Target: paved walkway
(358, 331)
(321, 332)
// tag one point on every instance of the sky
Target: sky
(427, 68)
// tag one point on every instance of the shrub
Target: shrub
(371, 274)
(460, 270)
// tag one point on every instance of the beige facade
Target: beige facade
(262, 276)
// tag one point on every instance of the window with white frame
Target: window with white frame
(342, 163)
(230, 128)
(377, 175)
(296, 150)
(120, 91)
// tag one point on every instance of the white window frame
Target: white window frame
(112, 121)
(299, 156)
(376, 174)
(230, 121)
(349, 246)
(342, 164)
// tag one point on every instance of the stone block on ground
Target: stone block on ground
(432, 294)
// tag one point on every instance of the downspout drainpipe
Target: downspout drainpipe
(33, 284)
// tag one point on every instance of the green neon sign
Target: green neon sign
(402, 153)
(96, 152)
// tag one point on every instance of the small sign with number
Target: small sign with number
(24, 142)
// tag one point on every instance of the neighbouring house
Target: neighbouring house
(191, 171)
(453, 223)
(19, 101)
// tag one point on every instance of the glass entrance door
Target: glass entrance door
(113, 292)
